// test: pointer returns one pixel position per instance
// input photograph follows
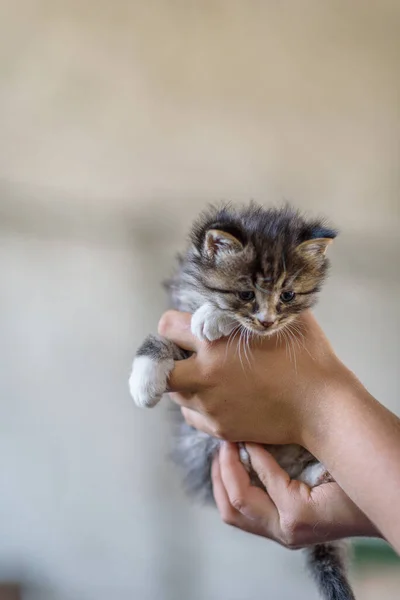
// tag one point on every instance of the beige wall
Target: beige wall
(118, 122)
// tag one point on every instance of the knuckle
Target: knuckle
(290, 530)
(290, 544)
(218, 431)
(165, 323)
(207, 372)
(215, 432)
(238, 503)
(228, 517)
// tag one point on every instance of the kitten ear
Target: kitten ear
(218, 243)
(314, 249)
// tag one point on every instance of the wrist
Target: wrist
(331, 402)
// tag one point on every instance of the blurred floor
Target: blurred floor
(382, 583)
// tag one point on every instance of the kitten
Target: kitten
(257, 269)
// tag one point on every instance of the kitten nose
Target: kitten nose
(267, 324)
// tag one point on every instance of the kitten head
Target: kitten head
(262, 266)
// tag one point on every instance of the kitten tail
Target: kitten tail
(327, 563)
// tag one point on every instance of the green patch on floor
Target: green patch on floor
(373, 552)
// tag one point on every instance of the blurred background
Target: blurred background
(119, 121)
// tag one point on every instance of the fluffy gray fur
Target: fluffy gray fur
(240, 269)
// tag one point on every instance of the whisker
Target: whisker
(251, 339)
(245, 345)
(230, 336)
(291, 347)
(238, 340)
(297, 329)
(239, 348)
(287, 346)
(278, 338)
(299, 324)
(248, 349)
(291, 336)
(295, 334)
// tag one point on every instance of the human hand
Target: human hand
(290, 513)
(274, 389)
(314, 401)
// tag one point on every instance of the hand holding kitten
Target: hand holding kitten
(291, 514)
(274, 398)
(318, 403)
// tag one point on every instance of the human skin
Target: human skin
(315, 401)
(291, 513)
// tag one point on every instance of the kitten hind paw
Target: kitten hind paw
(148, 380)
(315, 475)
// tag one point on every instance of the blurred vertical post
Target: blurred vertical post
(9, 592)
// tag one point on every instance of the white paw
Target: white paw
(148, 380)
(244, 458)
(314, 475)
(210, 323)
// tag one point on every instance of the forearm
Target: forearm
(358, 440)
(350, 522)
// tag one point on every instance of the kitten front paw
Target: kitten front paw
(148, 380)
(210, 323)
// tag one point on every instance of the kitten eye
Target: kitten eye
(287, 296)
(246, 296)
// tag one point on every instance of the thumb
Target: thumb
(185, 376)
(271, 475)
(175, 326)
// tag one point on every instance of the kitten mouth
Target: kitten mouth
(262, 331)
(268, 332)
(271, 331)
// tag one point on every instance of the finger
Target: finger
(271, 475)
(181, 399)
(228, 514)
(198, 421)
(175, 326)
(185, 377)
(249, 500)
